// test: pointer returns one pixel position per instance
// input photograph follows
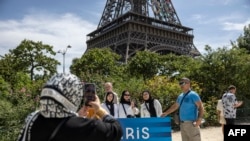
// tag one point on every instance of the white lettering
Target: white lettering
(145, 134)
(243, 131)
(129, 133)
(137, 133)
(235, 132)
(231, 132)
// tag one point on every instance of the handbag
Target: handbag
(176, 114)
(176, 118)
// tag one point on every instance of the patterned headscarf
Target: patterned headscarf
(61, 96)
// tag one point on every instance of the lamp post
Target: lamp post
(63, 52)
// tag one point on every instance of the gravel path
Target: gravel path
(207, 134)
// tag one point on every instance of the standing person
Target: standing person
(220, 114)
(57, 118)
(109, 88)
(190, 111)
(109, 104)
(150, 107)
(127, 108)
(230, 104)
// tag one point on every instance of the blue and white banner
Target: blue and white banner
(149, 129)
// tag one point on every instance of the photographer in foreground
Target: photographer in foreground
(57, 119)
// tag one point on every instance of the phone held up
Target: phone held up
(89, 93)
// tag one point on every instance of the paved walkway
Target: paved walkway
(207, 134)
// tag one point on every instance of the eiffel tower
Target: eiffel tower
(127, 26)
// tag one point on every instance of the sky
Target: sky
(60, 23)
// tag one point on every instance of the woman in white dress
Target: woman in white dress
(127, 109)
(109, 105)
(150, 107)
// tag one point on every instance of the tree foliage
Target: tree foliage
(34, 58)
(96, 61)
(244, 40)
(144, 64)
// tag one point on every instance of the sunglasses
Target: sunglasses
(126, 94)
(182, 83)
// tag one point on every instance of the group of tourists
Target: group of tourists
(126, 106)
(63, 116)
(188, 105)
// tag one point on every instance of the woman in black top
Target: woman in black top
(57, 119)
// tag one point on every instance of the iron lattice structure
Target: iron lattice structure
(127, 26)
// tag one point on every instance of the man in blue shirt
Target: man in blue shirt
(190, 111)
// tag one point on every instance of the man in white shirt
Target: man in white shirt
(109, 88)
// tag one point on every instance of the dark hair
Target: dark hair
(111, 103)
(150, 101)
(108, 93)
(122, 100)
(147, 91)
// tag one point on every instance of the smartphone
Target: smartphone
(89, 92)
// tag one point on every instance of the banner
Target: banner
(146, 129)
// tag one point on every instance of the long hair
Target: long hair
(122, 100)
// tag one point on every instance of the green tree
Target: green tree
(98, 66)
(244, 40)
(34, 58)
(219, 69)
(144, 64)
(95, 61)
(177, 66)
(15, 104)
(7, 71)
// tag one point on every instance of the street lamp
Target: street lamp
(63, 52)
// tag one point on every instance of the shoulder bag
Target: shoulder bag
(176, 114)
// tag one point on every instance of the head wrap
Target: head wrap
(110, 104)
(61, 96)
(150, 102)
(122, 100)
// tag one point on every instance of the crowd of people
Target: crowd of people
(188, 104)
(65, 114)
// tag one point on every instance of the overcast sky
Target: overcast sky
(60, 23)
